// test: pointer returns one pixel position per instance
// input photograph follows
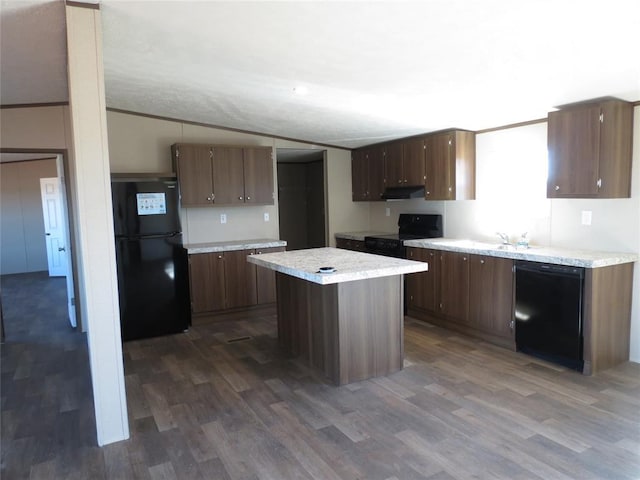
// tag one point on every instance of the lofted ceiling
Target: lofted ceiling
(372, 71)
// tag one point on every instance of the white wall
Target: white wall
(142, 144)
(511, 197)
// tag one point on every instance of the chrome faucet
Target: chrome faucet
(504, 237)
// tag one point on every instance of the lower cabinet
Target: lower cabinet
(349, 244)
(491, 295)
(225, 280)
(469, 293)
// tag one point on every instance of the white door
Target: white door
(54, 228)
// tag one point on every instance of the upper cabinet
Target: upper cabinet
(413, 161)
(590, 150)
(444, 163)
(450, 165)
(404, 163)
(367, 174)
(223, 175)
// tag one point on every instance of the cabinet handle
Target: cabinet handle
(400, 181)
(240, 198)
(599, 183)
(219, 257)
(557, 187)
(405, 180)
(511, 324)
(248, 198)
(482, 262)
(208, 199)
(464, 259)
(428, 193)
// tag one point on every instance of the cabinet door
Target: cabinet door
(375, 165)
(207, 284)
(454, 285)
(228, 175)
(439, 167)
(393, 165)
(491, 294)
(240, 279)
(266, 279)
(413, 161)
(422, 287)
(258, 176)
(195, 174)
(574, 146)
(359, 176)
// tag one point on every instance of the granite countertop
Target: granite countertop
(227, 246)
(349, 265)
(559, 256)
(360, 235)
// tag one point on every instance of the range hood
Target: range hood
(402, 193)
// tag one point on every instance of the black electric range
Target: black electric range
(411, 226)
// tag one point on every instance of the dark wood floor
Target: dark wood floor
(214, 404)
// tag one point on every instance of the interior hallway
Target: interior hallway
(221, 402)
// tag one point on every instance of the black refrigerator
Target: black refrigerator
(153, 277)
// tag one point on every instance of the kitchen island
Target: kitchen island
(347, 324)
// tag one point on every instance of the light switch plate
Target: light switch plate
(387, 212)
(223, 218)
(266, 216)
(586, 217)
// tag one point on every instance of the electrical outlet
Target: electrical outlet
(586, 217)
(387, 212)
(223, 218)
(266, 216)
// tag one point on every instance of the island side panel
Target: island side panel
(307, 323)
(371, 328)
(293, 308)
(607, 316)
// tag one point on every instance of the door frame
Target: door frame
(62, 166)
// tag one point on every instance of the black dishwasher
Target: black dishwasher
(548, 312)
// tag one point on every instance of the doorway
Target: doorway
(301, 197)
(24, 228)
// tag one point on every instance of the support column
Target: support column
(94, 219)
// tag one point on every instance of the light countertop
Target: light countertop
(349, 265)
(194, 248)
(559, 256)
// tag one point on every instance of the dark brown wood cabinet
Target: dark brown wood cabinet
(472, 294)
(413, 161)
(491, 290)
(444, 162)
(450, 166)
(195, 174)
(266, 278)
(590, 148)
(404, 163)
(454, 286)
(240, 279)
(207, 282)
(393, 171)
(350, 244)
(258, 175)
(423, 288)
(367, 174)
(223, 175)
(225, 280)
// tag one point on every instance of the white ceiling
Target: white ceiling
(373, 70)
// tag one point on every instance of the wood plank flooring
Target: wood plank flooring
(203, 406)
